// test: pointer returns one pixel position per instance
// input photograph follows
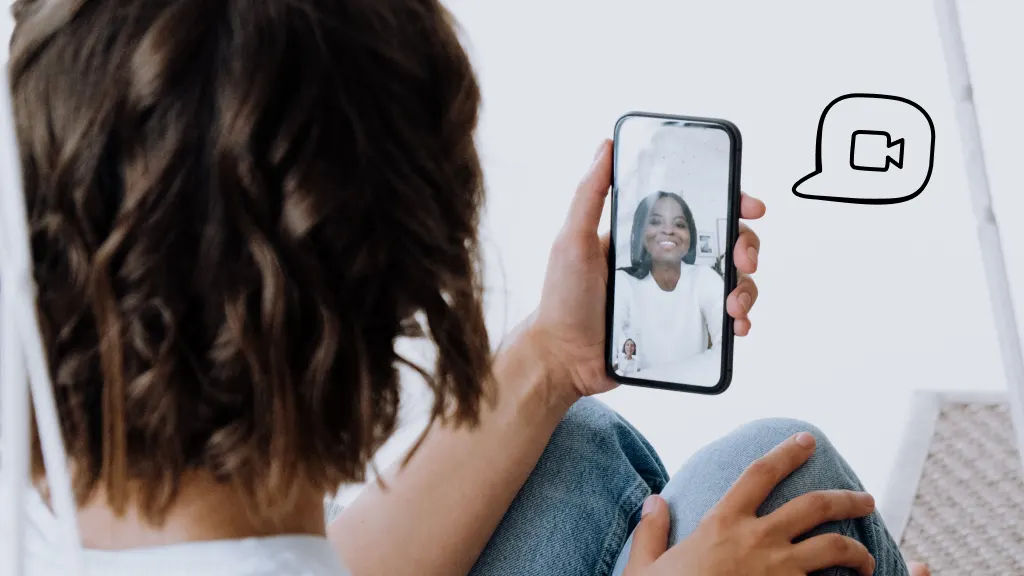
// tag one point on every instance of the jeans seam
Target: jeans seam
(617, 536)
(845, 529)
(895, 555)
(655, 483)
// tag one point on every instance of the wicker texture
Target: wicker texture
(968, 515)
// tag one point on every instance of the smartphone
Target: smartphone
(675, 220)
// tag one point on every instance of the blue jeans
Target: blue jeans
(574, 515)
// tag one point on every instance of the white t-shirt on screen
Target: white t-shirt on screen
(271, 556)
(669, 327)
(628, 366)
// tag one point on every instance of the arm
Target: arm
(439, 511)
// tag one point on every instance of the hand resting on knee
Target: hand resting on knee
(732, 540)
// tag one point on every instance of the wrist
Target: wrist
(559, 380)
(549, 384)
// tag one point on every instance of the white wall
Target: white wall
(859, 305)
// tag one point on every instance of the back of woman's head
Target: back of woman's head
(236, 208)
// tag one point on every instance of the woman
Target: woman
(237, 208)
(628, 362)
(673, 306)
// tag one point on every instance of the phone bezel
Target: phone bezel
(732, 233)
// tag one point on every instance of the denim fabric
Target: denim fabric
(574, 514)
(582, 500)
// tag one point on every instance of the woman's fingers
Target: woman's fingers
(745, 254)
(741, 326)
(588, 203)
(760, 478)
(751, 208)
(804, 513)
(650, 539)
(833, 551)
(742, 299)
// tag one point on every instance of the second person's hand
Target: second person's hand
(569, 325)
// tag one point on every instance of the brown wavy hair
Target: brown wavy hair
(237, 207)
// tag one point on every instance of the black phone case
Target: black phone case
(732, 233)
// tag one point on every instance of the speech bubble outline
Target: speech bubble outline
(874, 201)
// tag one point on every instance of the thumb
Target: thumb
(588, 203)
(650, 539)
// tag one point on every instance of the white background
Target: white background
(859, 305)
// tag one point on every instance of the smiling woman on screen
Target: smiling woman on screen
(663, 299)
(629, 361)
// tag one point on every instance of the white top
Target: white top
(273, 556)
(671, 327)
(628, 366)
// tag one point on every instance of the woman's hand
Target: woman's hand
(742, 299)
(732, 541)
(569, 325)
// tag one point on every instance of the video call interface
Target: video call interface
(671, 230)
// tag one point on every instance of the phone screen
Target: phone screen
(674, 221)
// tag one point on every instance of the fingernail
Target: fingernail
(867, 499)
(752, 254)
(649, 505)
(745, 301)
(804, 439)
(600, 150)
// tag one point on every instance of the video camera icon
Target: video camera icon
(870, 150)
(857, 158)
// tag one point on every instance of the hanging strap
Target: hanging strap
(23, 354)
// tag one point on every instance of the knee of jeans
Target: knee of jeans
(824, 470)
(589, 418)
(593, 431)
(776, 430)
